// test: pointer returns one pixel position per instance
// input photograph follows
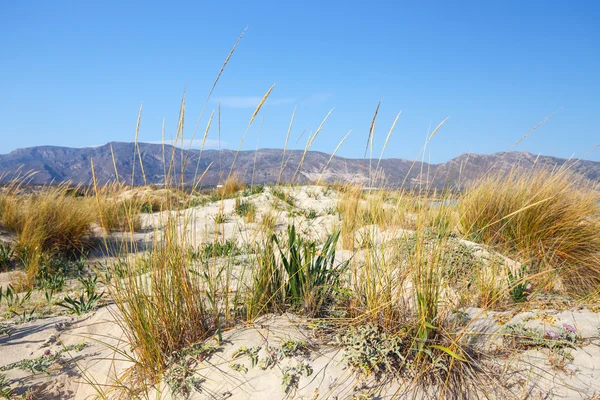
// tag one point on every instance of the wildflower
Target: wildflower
(47, 353)
(570, 328)
(550, 334)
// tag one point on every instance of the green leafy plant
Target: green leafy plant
(6, 392)
(182, 380)
(312, 273)
(5, 329)
(371, 350)
(256, 189)
(291, 376)
(219, 248)
(291, 348)
(7, 253)
(239, 368)
(312, 214)
(252, 353)
(42, 363)
(24, 315)
(14, 299)
(89, 284)
(220, 218)
(244, 207)
(79, 306)
(518, 285)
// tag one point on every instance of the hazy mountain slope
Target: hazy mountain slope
(59, 164)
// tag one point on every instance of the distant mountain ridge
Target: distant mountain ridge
(64, 164)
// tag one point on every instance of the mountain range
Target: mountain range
(53, 164)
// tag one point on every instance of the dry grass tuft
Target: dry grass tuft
(51, 222)
(547, 219)
(232, 185)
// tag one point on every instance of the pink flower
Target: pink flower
(570, 328)
(550, 334)
(47, 352)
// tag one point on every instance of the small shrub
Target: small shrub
(370, 350)
(557, 339)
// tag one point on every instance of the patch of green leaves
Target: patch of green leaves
(7, 254)
(81, 305)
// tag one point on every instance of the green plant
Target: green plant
(220, 218)
(182, 380)
(517, 285)
(89, 284)
(6, 392)
(312, 273)
(53, 271)
(6, 255)
(85, 303)
(24, 315)
(239, 368)
(255, 189)
(5, 329)
(291, 376)
(252, 354)
(283, 196)
(218, 248)
(181, 375)
(244, 207)
(42, 363)
(557, 339)
(371, 350)
(14, 299)
(312, 214)
(291, 348)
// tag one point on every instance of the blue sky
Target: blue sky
(74, 73)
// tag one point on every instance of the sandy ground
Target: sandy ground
(318, 373)
(533, 373)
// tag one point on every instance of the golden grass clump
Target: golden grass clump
(232, 185)
(549, 220)
(119, 215)
(52, 220)
(49, 222)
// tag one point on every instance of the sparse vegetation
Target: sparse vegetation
(389, 274)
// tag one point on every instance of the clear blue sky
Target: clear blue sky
(74, 73)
